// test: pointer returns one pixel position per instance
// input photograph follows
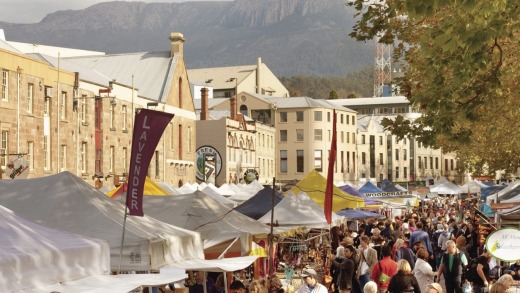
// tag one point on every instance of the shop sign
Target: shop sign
(17, 168)
(250, 175)
(504, 244)
(209, 163)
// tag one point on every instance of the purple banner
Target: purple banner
(149, 126)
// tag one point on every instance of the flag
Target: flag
(149, 126)
(257, 250)
(329, 190)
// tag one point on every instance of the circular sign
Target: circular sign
(17, 168)
(504, 244)
(250, 175)
(208, 161)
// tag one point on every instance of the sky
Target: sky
(33, 11)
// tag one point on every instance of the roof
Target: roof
(304, 102)
(371, 101)
(6, 46)
(211, 102)
(221, 77)
(364, 121)
(151, 71)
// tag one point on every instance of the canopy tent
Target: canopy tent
(33, 255)
(354, 214)
(314, 186)
(226, 190)
(487, 191)
(351, 190)
(444, 189)
(510, 192)
(260, 203)
(291, 213)
(168, 189)
(216, 265)
(201, 213)
(150, 188)
(387, 186)
(370, 188)
(214, 193)
(399, 201)
(400, 188)
(66, 202)
(307, 201)
(471, 186)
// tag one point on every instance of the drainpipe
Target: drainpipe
(58, 94)
(18, 72)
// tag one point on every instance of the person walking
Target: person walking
(482, 281)
(421, 235)
(451, 266)
(335, 268)
(384, 270)
(404, 281)
(346, 278)
(404, 253)
(367, 260)
(423, 271)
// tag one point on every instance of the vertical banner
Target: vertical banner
(329, 190)
(149, 126)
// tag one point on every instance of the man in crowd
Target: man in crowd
(310, 283)
(367, 260)
(450, 267)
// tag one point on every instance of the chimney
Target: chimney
(176, 45)
(233, 108)
(258, 86)
(204, 110)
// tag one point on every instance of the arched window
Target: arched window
(180, 184)
(243, 110)
(180, 92)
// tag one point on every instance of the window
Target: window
(363, 158)
(112, 115)
(30, 155)
(46, 153)
(283, 135)
(30, 93)
(380, 140)
(425, 163)
(299, 116)
(4, 148)
(112, 159)
(396, 172)
(381, 159)
(243, 110)
(189, 139)
(180, 92)
(328, 116)
(299, 134)
(342, 138)
(436, 163)
(348, 137)
(63, 157)
(124, 116)
(157, 163)
(283, 161)
(299, 161)
(353, 137)
(179, 142)
(341, 119)
(405, 175)
(419, 145)
(404, 154)
(404, 141)
(353, 120)
(431, 162)
(63, 112)
(172, 137)
(47, 106)
(318, 134)
(318, 115)
(125, 159)
(83, 108)
(347, 119)
(5, 85)
(363, 139)
(318, 161)
(452, 165)
(446, 164)
(283, 116)
(83, 157)
(397, 154)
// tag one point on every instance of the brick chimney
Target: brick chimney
(204, 106)
(176, 45)
(233, 108)
(258, 76)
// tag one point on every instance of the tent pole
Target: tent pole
(271, 260)
(122, 241)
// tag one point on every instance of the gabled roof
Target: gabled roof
(304, 102)
(6, 46)
(152, 71)
(371, 101)
(221, 77)
(211, 102)
(364, 121)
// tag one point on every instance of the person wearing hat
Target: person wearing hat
(310, 283)
(237, 287)
(434, 288)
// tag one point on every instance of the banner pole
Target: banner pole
(122, 241)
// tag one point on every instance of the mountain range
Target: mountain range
(293, 37)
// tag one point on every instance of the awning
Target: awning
(216, 265)
(115, 283)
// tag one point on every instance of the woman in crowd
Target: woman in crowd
(506, 280)
(461, 246)
(423, 271)
(404, 281)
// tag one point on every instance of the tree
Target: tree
(333, 95)
(462, 72)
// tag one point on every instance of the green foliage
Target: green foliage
(462, 71)
(333, 95)
(353, 85)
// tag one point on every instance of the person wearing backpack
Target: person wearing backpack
(384, 270)
(451, 267)
(482, 281)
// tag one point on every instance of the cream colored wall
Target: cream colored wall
(265, 152)
(422, 173)
(270, 80)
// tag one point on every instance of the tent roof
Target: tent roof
(32, 254)
(444, 189)
(387, 186)
(199, 212)
(351, 190)
(259, 204)
(314, 186)
(510, 192)
(369, 188)
(150, 188)
(66, 202)
(307, 201)
(214, 193)
(217, 265)
(355, 214)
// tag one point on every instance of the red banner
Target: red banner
(329, 190)
(149, 126)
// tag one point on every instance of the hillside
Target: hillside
(293, 37)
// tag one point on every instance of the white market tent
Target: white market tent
(443, 188)
(226, 190)
(214, 193)
(67, 203)
(291, 213)
(473, 187)
(33, 255)
(166, 187)
(307, 201)
(201, 213)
